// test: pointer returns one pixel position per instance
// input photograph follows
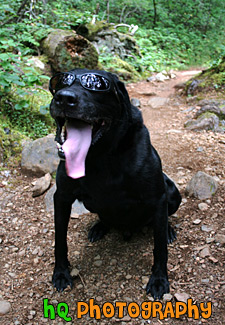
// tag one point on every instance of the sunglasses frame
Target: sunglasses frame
(75, 77)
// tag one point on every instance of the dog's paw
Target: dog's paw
(97, 232)
(171, 234)
(61, 279)
(157, 286)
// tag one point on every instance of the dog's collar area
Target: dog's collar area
(89, 81)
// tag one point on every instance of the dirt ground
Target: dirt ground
(112, 270)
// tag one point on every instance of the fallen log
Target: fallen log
(66, 50)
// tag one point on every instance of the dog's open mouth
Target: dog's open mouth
(74, 138)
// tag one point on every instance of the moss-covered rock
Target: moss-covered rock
(211, 116)
(29, 114)
(112, 42)
(124, 70)
(206, 121)
(107, 39)
(66, 50)
(90, 30)
(212, 78)
(10, 145)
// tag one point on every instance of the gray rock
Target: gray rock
(34, 61)
(145, 279)
(98, 263)
(203, 206)
(182, 296)
(151, 79)
(114, 42)
(207, 228)
(77, 207)
(49, 205)
(202, 186)
(211, 109)
(197, 221)
(41, 185)
(40, 156)
(204, 252)
(157, 102)
(211, 116)
(204, 122)
(205, 102)
(74, 272)
(167, 297)
(162, 76)
(219, 238)
(193, 87)
(136, 102)
(5, 307)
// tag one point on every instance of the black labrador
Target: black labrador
(108, 163)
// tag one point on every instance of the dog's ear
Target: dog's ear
(121, 91)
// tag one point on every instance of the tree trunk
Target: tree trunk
(155, 13)
(107, 10)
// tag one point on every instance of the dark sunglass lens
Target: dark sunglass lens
(53, 82)
(67, 79)
(62, 80)
(94, 82)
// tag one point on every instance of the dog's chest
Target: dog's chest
(106, 187)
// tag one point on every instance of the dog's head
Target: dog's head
(86, 105)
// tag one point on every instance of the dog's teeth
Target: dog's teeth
(58, 145)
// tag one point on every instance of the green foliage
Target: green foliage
(171, 34)
(27, 113)
(190, 31)
(10, 144)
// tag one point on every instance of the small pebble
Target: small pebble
(35, 251)
(197, 221)
(204, 252)
(5, 307)
(32, 312)
(182, 296)
(74, 272)
(12, 274)
(145, 279)
(113, 261)
(167, 297)
(99, 298)
(219, 238)
(203, 206)
(98, 263)
(209, 240)
(207, 228)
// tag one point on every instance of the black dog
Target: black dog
(110, 165)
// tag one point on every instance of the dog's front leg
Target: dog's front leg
(61, 276)
(158, 284)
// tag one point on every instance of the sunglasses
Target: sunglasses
(90, 81)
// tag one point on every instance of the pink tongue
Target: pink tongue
(76, 147)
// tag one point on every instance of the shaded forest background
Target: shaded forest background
(170, 35)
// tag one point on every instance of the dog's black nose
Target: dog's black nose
(66, 97)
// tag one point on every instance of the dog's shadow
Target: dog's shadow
(111, 259)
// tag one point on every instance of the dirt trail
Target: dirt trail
(113, 270)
